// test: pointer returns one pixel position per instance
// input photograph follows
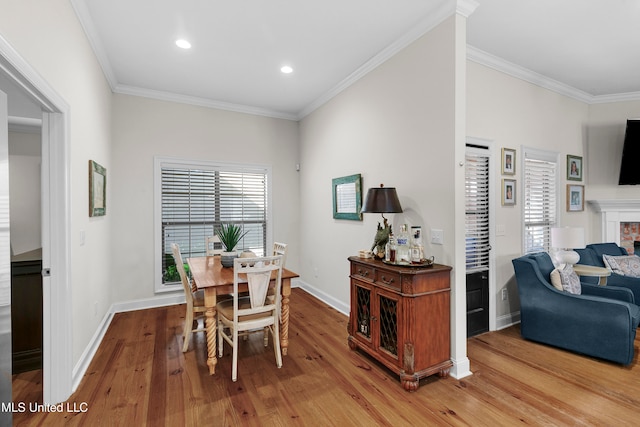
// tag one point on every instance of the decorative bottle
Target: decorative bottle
(417, 250)
(390, 253)
(403, 253)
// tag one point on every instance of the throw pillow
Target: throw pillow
(555, 280)
(570, 280)
(624, 265)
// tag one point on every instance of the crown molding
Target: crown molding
(617, 97)
(202, 102)
(481, 57)
(82, 12)
(442, 11)
(466, 7)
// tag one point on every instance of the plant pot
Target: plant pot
(226, 258)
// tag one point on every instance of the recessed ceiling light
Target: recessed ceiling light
(286, 69)
(183, 44)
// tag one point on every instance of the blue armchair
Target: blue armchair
(592, 255)
(600, 323)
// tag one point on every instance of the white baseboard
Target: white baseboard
(507, 320)
(328, 299)
(90, 351)
(461, 368)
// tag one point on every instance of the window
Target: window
(194, 198)
(540, 198)
(477, 208)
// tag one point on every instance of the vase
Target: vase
(226, 258)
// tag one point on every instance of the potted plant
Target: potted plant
(230, 235)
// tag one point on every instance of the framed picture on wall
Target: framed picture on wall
(97, 189)
(574, 168)
(508, 161)
(508, 192)
(575, 198)
(347, 197)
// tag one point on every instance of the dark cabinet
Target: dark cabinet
(26, 315)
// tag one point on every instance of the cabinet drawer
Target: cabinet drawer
(388, 278)
(362, 272)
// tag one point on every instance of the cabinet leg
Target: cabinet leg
(410, 384)
(444, 373)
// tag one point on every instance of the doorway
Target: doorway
(24, 83)
(478, 220)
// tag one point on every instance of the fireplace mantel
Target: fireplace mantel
(613, 212)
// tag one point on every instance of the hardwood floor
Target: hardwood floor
(140, 377)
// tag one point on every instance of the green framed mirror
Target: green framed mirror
(347, 197)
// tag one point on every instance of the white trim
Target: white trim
(84, 17)
(613, 212)
(461, 368)
(441, 12)
(202, 102)
(508, 320)
(57, 326)
(323, 296)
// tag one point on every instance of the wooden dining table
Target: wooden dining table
(209, 274)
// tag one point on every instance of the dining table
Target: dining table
(209, 275)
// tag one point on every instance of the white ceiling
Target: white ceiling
(586, 47)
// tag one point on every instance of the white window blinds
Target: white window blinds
(196, 199)
(477, 211)
(540, 200)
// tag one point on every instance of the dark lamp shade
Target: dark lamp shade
(381, 200)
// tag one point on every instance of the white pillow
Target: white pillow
(555, 280)
(624, 265)
(570, 280)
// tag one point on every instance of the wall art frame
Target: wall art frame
(508, 161)
(508, 192)
(575, 198)
(347, 197)
(97, 189)
(574, 168)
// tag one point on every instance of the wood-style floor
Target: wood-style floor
(140, 377)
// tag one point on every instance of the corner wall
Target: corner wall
(396, 126)
(513, 113)
(144, 128)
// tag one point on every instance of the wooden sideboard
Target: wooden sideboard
(400, 317)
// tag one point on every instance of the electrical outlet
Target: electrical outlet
(505, 294)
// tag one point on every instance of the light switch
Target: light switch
(501, 230)
(437, 237)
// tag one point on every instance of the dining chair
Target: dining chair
(256, 312)
(213, 246)
(193, 297)
(280, 249)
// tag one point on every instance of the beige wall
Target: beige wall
(513, 113)
(144, 128)
(24, 191)
(49, 37)
(394, 126)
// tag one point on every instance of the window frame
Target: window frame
(540, 155)
(159, 163)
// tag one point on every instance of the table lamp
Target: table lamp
(381, 200)
(566, 239)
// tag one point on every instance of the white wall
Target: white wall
(394, 126)
(513, 114)
(144, 128)
(24, 190)
(49, 37)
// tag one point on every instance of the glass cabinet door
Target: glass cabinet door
(363, 326)
(388, 319)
